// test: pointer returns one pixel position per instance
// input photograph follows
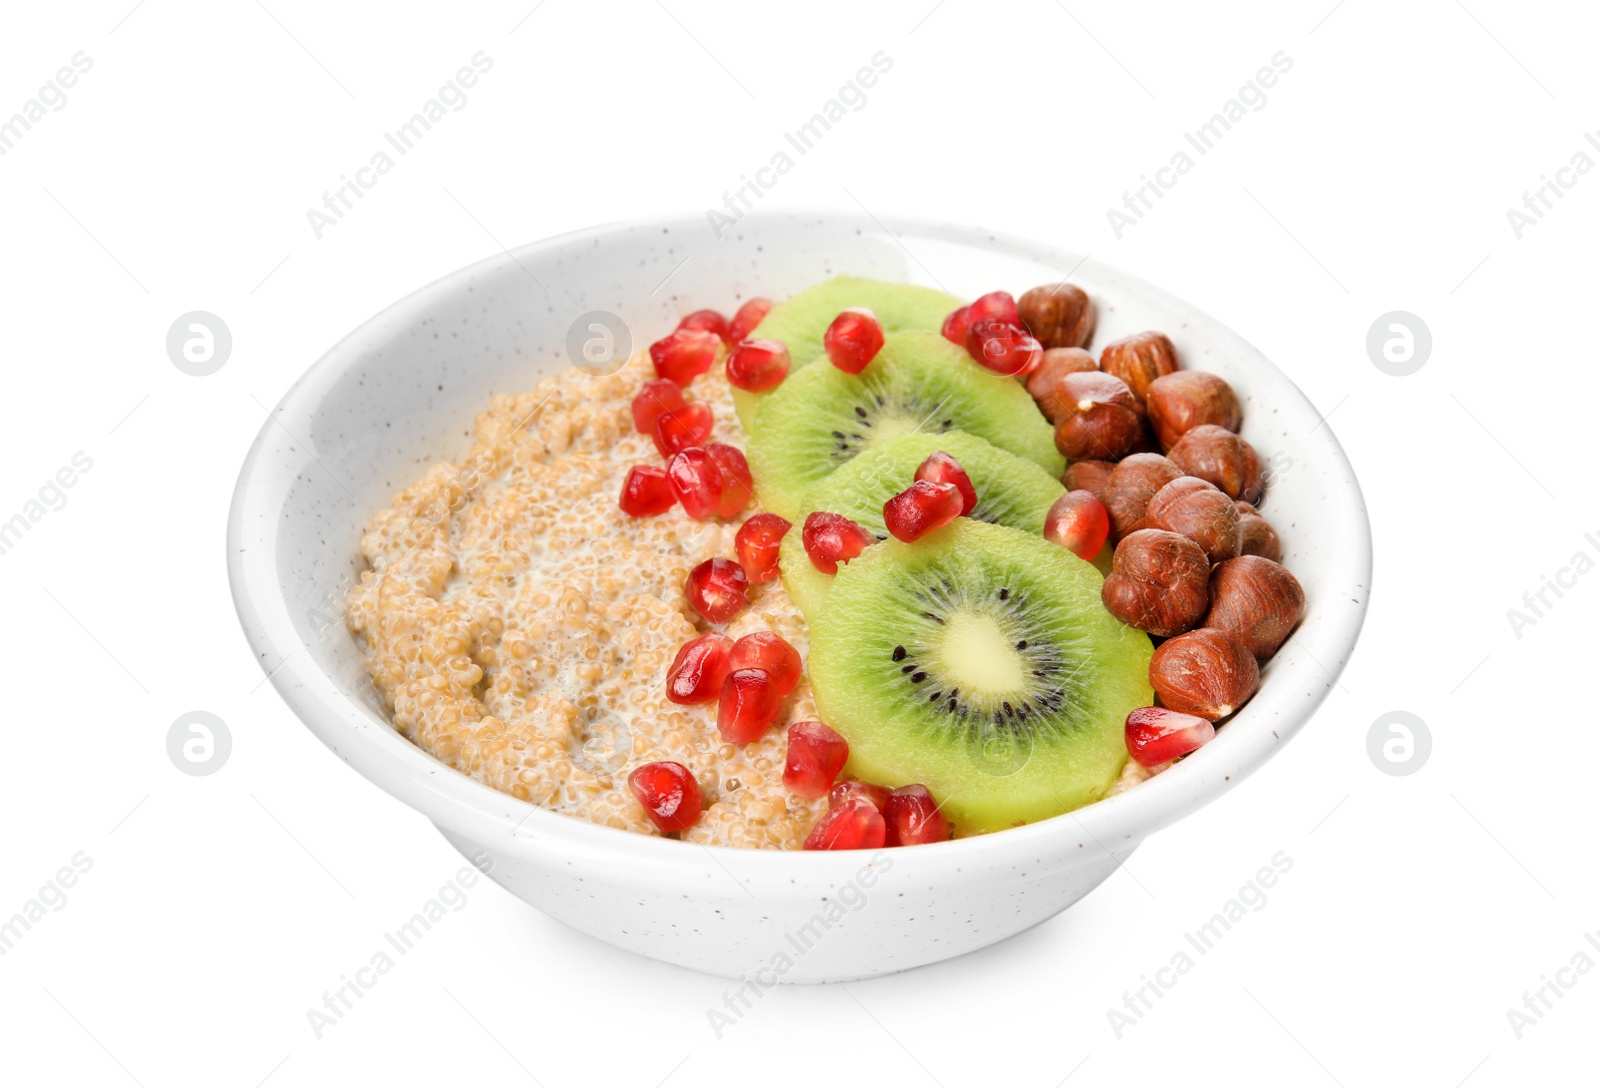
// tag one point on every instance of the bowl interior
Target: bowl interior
(401, 391)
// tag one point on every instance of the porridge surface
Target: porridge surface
(519, 625)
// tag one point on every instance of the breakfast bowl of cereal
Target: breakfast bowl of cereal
(801, 600)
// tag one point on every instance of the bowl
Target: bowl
(400, 391)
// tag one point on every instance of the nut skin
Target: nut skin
(1140, 360)
(1158, 582)
(1132, 485)
(1090, 476)
(1100, 418)
(1058, 316)
(1257, 600)
(1257, 536)
(1186, 399)
(1044, 384)
(1221, 458)
(1205, 672)
(1193, 508)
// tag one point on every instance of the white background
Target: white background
(1377, 177)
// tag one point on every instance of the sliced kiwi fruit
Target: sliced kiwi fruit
(979, 662)
(822, 418)
(1011, 491)
(800, 320)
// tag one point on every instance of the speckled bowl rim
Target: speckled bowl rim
(462, 805)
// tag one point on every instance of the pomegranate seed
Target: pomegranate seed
(685, 354)
(658, 395)
(679, 428)
(1003, 348)
(941, 468)
(697, 481)
(698, 671)
(749, 315)
(922, 508)
(772, 655)
(710, 321)
(646, 492)
(716, 590)
(757, 545)
(758, 365)
(749, 704)
(831, 539)
(853, 340)
(1079, 523)
(854, 825)
(816, 756)
(954, 328)
(912, 817)
(736, 479)
(1156, 734)
(995, 306)
(669, 794)
(845, 792)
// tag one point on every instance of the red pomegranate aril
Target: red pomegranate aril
(697, 481)
(854, 825)
(922, 508)
(748, 706)
(831, 539)
(954, 328)
(669, 794)
(853, 340)
(656, 396)
(995, 306)
(1156, 734)
(736, 479)
(758, 365)
(679, 428)
(716, 589)
(845, 792)
(816, 756)
(757, 543)
(746, 319)
(697, 673)
(646, 492)
(912, 817)
(710, 321)
(1079, 523)
(685, 354)
(768, 652)
(1003, 348)
(941, 468)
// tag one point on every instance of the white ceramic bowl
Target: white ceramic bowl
(400, 391)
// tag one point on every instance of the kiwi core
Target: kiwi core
(975, 654)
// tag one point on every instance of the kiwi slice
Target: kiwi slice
(979, 662)
(822, 418)
(800, 320)
(1011, 491)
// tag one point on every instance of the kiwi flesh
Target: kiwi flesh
(800, 320)
(1011, 491)
(821, 418)
(979, 662)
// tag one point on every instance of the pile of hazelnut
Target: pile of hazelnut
(1196, 565)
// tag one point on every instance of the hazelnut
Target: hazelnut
(1140, 360)
(1205, 672)
(1044, 384)
(1186, 399)
(1257, 600)
(1060, 316)
(1100, 419)
(1132, 485)
(1158, 582)
(1221, 458)
(1090, 476)
(1193, 508)
(1256, 534)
